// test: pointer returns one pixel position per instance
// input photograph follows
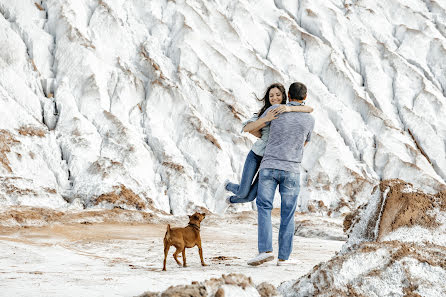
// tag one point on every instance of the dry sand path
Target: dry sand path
(126, 259)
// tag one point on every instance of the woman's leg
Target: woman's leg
(252, 164)
(251, 195)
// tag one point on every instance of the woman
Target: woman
(246, 190)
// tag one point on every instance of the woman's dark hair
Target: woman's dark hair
(298, 91)
(265, 99)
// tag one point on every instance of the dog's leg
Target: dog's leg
(184, 257)
(200, 251)
(176, 254)
(166, 251)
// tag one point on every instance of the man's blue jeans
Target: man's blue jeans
(289, 186)
(246, 191)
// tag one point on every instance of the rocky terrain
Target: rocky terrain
(122, 113)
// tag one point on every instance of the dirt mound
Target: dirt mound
(26, 216)
(233, 284)
(385, 255)
(405, 206)
(376, 269)
(124, 198)
(395, 204)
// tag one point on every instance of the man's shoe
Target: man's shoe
(285, 262)
(254, 205)
(222, 205)
(221, 191)
(261, 258)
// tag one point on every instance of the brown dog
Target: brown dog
(183, 238)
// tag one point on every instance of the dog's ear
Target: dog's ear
(203, 214)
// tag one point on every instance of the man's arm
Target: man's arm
(255, 126)
(309, 133)
(268, 116)
(295, 108)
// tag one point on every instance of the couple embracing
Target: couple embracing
(283, 130)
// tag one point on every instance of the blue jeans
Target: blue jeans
(246, 191)
(289, 186)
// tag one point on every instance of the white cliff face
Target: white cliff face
(151, 95)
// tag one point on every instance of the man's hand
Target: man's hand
(257, 134)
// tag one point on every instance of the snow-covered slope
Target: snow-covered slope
(106, 100)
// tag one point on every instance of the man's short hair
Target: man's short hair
(298, 91)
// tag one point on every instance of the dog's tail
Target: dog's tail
(167, 235)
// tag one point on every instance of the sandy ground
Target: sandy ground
(126, 259)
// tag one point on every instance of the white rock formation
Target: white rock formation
(151, 95)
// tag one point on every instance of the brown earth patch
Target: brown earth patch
(31, 131)
(6, 141)
(50, 190)
(441, 196)
(419, 147)
(104, 166)
(198, 125)
(39, 6)
(234, 111)
(209, 137)
(195, 290)
(405, 208)
(223, 258)
(368, 247)
(356, 186)
(26, 216)
(174, 166)
(348, 220)
(34, 65)
(341, 204)
(432, 255)
(311, 208)
(11, 189)
(267, 290)
(122, 195)
(213, 287)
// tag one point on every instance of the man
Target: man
(289, 133)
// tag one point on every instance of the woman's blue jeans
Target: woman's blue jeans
(246, 191)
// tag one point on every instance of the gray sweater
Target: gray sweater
(288, 134)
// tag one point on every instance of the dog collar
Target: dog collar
(194, 226)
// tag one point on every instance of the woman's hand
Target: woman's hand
(272, 114)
